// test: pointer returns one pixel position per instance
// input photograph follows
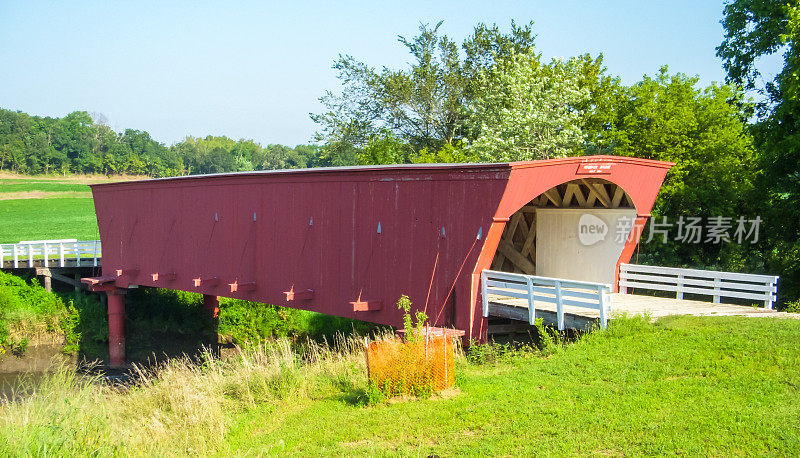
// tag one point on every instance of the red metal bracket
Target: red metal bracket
(366, 306)
(293, 295)
(128, 272)
(237, 287)
(169, 276)
(205, 281)
(99, 283)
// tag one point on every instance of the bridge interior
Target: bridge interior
(517, 249)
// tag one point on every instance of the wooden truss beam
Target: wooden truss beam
(598, 191)
(520, 261)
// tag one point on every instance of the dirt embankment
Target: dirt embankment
(37, 358)
(43, 352)
(43, 195)
(77, 179)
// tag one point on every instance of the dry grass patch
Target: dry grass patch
(43, 195)
(77, 179)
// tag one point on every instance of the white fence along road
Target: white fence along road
(702, 282)
(50, 253)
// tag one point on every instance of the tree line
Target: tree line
(79, 144)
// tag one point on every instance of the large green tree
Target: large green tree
(526, 110)
(423, 105)
(755, 29)
(669, 118)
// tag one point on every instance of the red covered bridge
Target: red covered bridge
(349, 241)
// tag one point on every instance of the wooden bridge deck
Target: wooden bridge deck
(630, 304)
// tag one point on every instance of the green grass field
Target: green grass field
(685, 386)
(24, 185)
(37, 209)
(716, 386)
(45, 219)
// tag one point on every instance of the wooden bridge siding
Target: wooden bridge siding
(343, 253)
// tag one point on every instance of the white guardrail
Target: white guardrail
(703, 282)
(51, 253)
(595, 296)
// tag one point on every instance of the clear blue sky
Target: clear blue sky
(255, 69)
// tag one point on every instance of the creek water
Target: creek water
(20, 375)
(14, 385)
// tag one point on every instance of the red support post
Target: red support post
(211, 304)
(116, 327)
(630, 246)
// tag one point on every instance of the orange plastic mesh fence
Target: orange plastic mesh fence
(411, 367)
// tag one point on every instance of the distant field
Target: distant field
(19, 185)
(74, 179)
(40, 208)
(42, 219)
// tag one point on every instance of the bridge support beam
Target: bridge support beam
(211, 304)
(116, 327)
(627, 251)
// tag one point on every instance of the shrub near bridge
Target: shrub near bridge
(26, 309)
(418, 365)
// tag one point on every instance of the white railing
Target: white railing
(561, 292)
(51, 253)
(703, 282)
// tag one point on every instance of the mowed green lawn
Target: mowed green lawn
(51, 216)
(684, 386)
(23, 185)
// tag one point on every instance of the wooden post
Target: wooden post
(679, 289)
(605, 298)
(211, 304)
(484, 295)
(531, 303)
(768, 302)
(559, 306)
(116, 327)
(60, 254)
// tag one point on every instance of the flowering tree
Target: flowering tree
(527, 110)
